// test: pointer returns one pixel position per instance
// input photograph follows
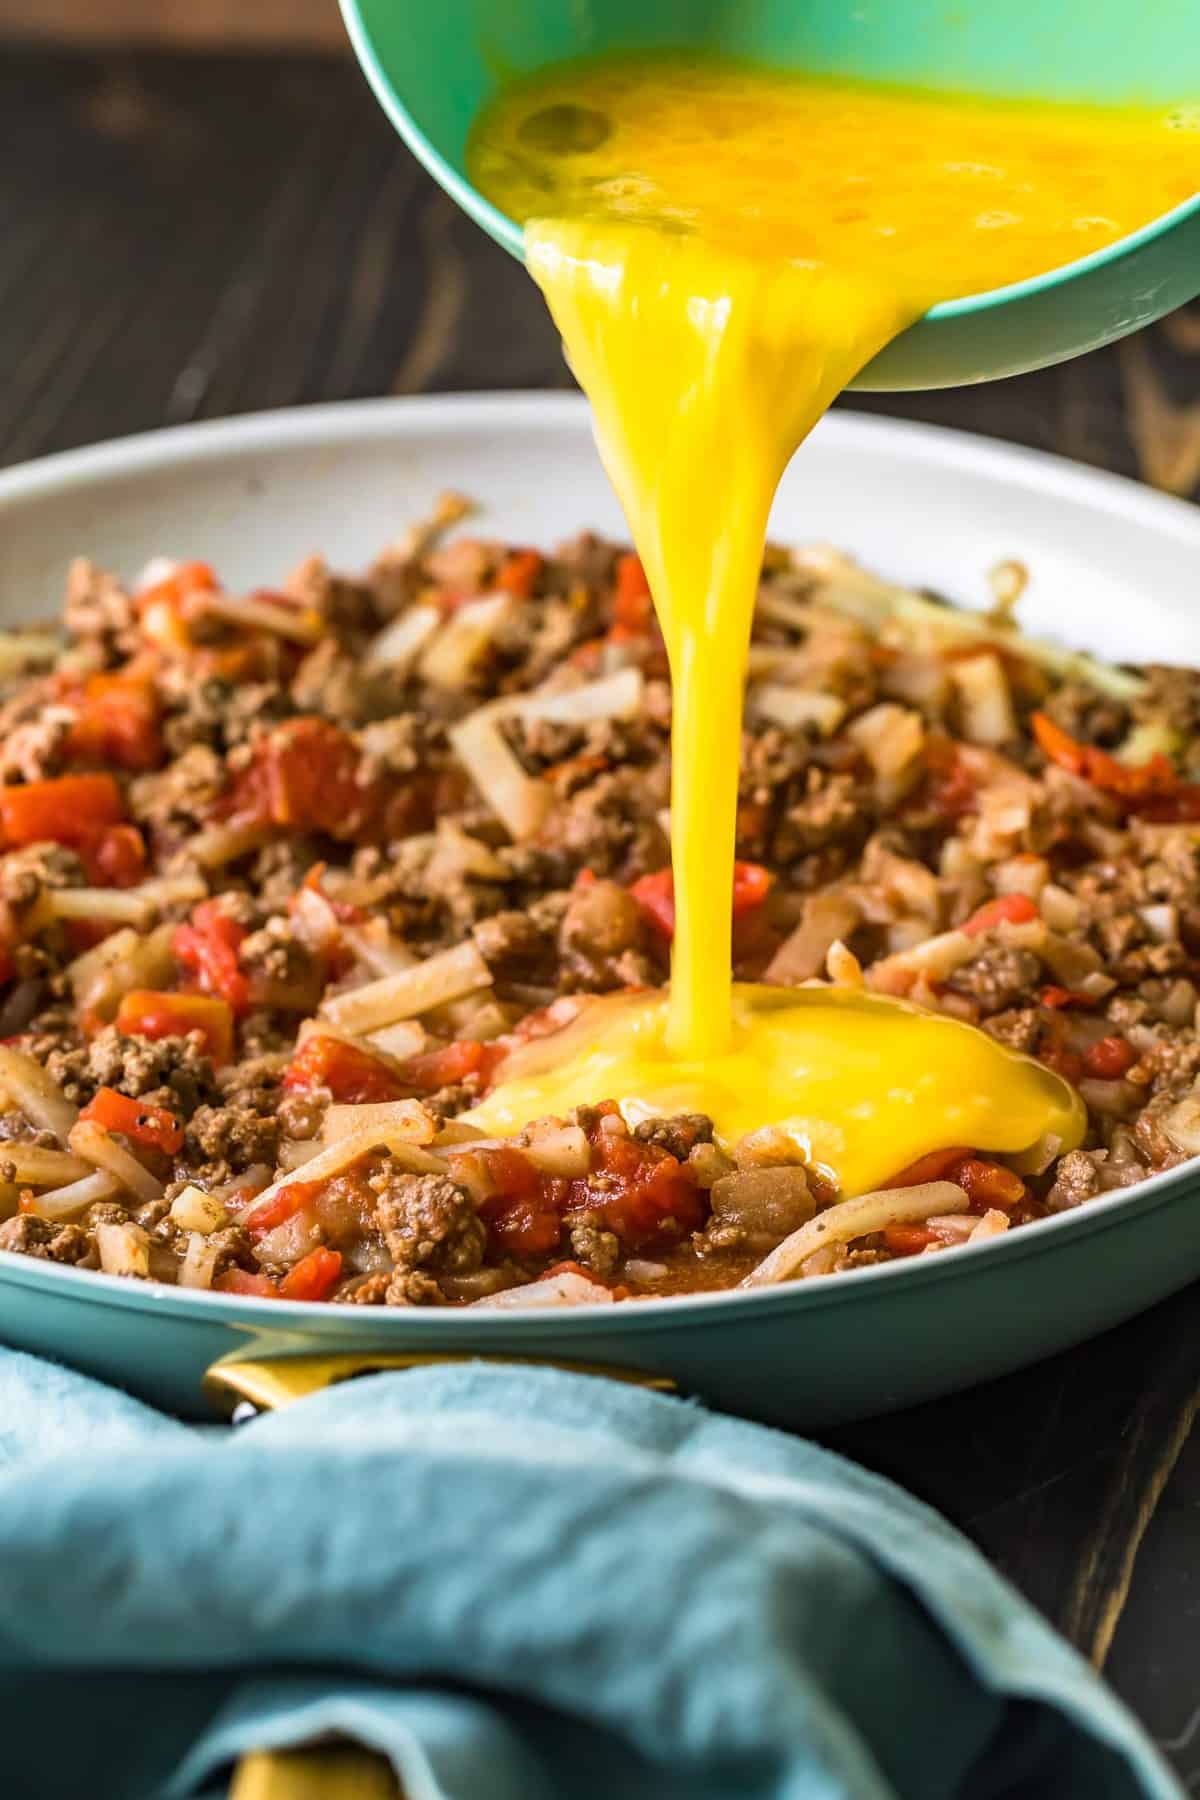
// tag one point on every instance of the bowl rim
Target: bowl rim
(508, 233)
(380, 420)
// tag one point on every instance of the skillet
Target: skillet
(1113, 570)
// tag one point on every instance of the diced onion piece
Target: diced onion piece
(300, 624)
(125, 905)
(993, 1222)
(444, 976)
(1059, 907)
(195, 1211)
(936, 958)
(1026, 875)
(1161, 921)
(797, 707)
(295, 1152)
(407, 1118)
(451, 656)
(25, 649)
(102, 1150)
(347, 1150)
(615, 696)
(984, 699)
(456, 852)
(1069, 959)
(124, 1249)
(403, 1039)
(1182, 1125)
(199, 1261)
(521, 802)
(399, 643)
(379, 949)
(125, 961)
(566, 1289)
(37, 1095)
(1153, 737)
(825, 918)
(856, 1218)
(221, 844)
(68, 1202)
(889, 736)
(34, 1167)
(83, 969)
(561, 1151)
(843, 967)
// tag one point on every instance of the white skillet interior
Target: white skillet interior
(1114, 567)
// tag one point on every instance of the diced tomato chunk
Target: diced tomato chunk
(633, 608)
(932, 1167)
(118, 857)
(1006, 909)
(655, 894)
(186, 578)
(987, 1183)
(241, 1281)
(151, 1127)
(453, 1063)
(276, 1209)
(314, 1277)
(1059, 997)
(1110, 1058)
(909, 1240)
(208, 948)
(519, 573)
(117, 721)
(69, 809)
(1150, 781)
(351, 1075)
(143, 1013)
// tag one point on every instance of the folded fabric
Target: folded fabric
(519, 1584)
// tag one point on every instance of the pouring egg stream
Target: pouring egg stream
(723, 249)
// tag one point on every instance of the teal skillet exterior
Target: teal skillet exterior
(802, 1355)
(433, 67)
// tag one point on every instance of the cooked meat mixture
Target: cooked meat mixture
(285, 876)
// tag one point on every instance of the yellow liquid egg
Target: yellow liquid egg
(723, 249)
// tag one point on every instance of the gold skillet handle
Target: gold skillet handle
(339, 1771)
(271, 1382)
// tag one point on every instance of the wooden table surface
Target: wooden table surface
(187, 237)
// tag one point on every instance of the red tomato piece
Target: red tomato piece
(655, 894)
(241, 1281)
(264, 1215)
(208, 947)
(648, 1195)
(451, 1064)
(117, 722)
(1059, 997)
(1110, 1058)
(151, 1127)
(987, 1183)
(930, 1168)
(633, 608)
(118, 858)
(351, 1075)
(519, 573)
(1149, 781)
(69, 809)
(314, 1277)
(909, 1240)
(1006, 909)
(143, 1013)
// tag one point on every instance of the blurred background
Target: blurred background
(203, 212)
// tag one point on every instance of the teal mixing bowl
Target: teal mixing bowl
(433, 67)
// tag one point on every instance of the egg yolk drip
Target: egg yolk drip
(722, 250)
(862, 1085)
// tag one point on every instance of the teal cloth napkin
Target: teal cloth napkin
(521, 1585)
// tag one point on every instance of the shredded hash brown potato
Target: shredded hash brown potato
(285, 875)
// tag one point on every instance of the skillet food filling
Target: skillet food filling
(296, 885)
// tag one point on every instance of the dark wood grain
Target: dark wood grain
(182, 238)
